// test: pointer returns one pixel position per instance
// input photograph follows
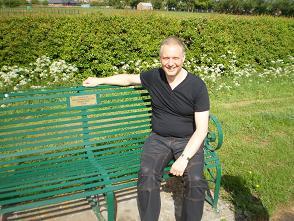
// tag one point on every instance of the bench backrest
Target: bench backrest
(42, 127)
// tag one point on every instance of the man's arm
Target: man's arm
(201, 120)
(120, 80)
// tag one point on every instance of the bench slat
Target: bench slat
(55, 158)
(104, 125)
(80, 140)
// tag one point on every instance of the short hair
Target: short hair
(172, 40)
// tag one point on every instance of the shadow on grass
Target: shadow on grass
(247, 206)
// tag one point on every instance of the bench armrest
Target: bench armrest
(215, 137)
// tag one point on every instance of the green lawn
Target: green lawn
(257, 155)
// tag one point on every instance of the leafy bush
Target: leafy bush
(96, 43)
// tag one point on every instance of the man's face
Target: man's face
(172, 59)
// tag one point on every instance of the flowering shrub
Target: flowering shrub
(46, 72)
(220, 76)
(236, 75)
(43, 73)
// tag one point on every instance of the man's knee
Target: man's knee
(148, 180)
(195, 187)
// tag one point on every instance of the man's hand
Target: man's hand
(91, 82)
(179, 166)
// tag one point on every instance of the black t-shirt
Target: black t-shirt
(173, 110)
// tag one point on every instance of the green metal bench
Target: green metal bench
(73, 143)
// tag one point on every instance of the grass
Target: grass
(75, 10)
(257, 155)
(45, 10)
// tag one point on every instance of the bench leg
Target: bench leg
(111, 206)
(214, 176)
(217, 186)
(3, 217)
(94, 202)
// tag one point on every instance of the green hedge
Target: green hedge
(95, 43)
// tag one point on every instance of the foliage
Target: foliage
(171, 5)
(134, 3)
(273, 7)
(98, 3)
(117, 3)
(46, 72)
(96, 43)
(42, 73)
(12, 3)
(157, 4)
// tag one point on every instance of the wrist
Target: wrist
(183, 156)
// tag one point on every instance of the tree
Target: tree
(117, 3)
(249, 6)
(157, 4)
(134, 3)
(182, 6)
(261, 7)
(282, 7)
(13, 3)
(172, 5)
(203, 4)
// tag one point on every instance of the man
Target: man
(180, 112)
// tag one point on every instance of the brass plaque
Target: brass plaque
(83, 100)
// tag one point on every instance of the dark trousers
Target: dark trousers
(157, 153)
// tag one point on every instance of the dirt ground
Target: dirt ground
(284, 214)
